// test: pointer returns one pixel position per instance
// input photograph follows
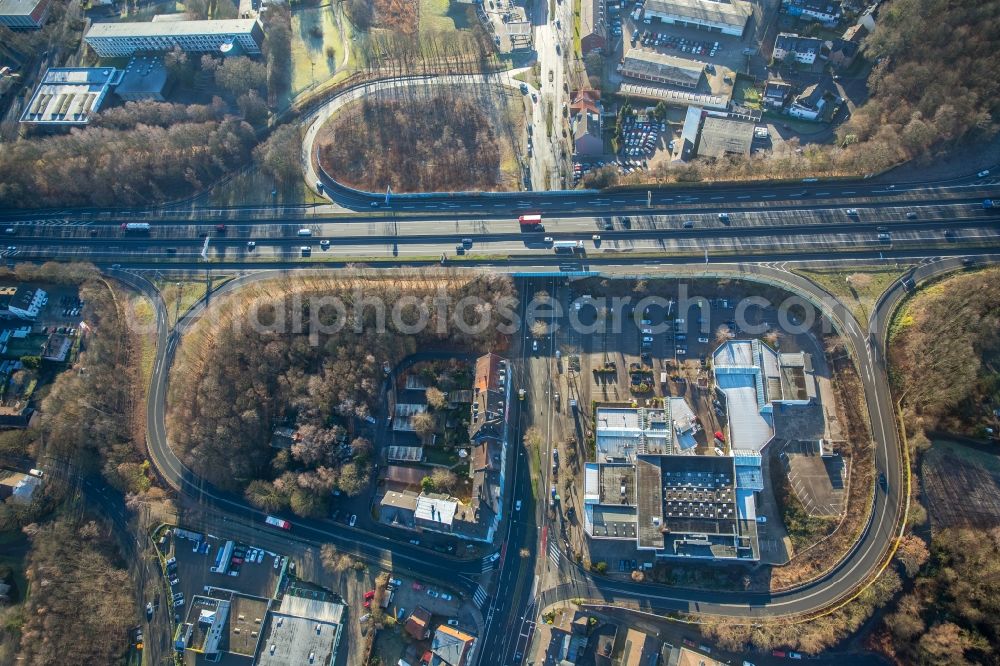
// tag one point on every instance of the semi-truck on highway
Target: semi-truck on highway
(531, 223)
(567, 246)
(136, 227)
(278, 522)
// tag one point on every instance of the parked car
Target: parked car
(433, 593)
(354, 519)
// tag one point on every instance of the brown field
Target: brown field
(962, 486)
(397, 15)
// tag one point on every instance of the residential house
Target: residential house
(418, 625)
(451, 647)
(593, 31)
(804, 50)
(585, 114)
(827, 12)
(21, 302)
(776, 93)
(856, 33)
(18, 486)
(398, 509)
(842, 52)
(813, 102)
(640, 649)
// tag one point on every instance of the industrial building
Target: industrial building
(23, 14)
(228, 36)
(647, 65)
(302, 631)
(70, 95)
(721, 136)
(727, 18)
(648, 486)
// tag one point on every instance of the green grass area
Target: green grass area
(29, 346)
(437, 456)
(182, 293)
(987, 461)
(323, 46)
(858, 288)
(144, 314)
(445, 16)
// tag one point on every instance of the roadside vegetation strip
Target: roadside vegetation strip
(857, 287)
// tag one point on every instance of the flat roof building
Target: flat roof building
(227, 36)
(70, 95)
(722, 136)
(302, 631)
(23, 14)
(145, 78)
(727, 18)
(648, 487)
(645, 65)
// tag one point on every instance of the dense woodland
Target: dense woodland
(81, 603)
(952, 614)
(233, 384)
(945, 350)
(138, 165)
(440, 141)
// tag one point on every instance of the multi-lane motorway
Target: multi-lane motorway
(791, 223)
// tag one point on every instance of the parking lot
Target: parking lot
(190, 563)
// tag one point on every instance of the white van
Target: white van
(305, 232)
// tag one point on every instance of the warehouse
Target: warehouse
(727, 18)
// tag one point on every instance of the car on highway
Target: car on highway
(911, 215)
(324, 244)
(688, 224)
(251, 245)
(853, 212)
(374, 204)
(353, 520)
(319, 185)
(983, 173)
(517, 505)
(723, 217)
(884, 237)
(446, 597)
(883, 482)
(596, 238)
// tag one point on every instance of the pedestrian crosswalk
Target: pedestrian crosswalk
(489, 563)
(554, 554)
(479, 596)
